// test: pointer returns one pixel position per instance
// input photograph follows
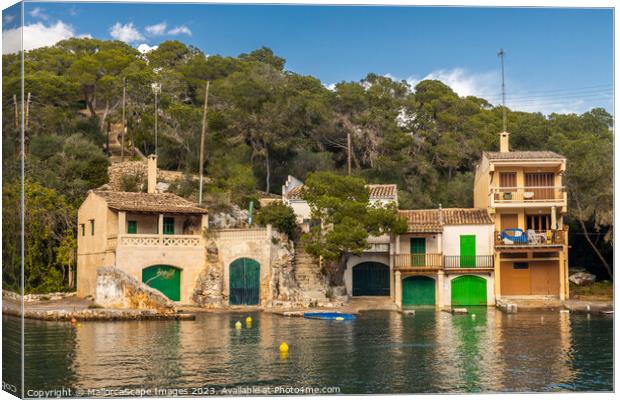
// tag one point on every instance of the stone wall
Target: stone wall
(285, 290)
(116, 289)
(139, 169)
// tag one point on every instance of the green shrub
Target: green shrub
(280, 216)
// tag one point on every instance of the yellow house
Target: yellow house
(150, 236)
(524, 193)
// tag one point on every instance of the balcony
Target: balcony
(413, 262)
(527, 196)
(471, 262)
(518, 238)
(167, 241)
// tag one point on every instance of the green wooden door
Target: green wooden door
(165, 278)
(468, 251)
(418, 291)
(371, 279)
(418, 251)
(244, 281)
(469, 290)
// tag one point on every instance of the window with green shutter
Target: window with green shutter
(132, 227)
(83, 229)
(92, 227)
(168, 225)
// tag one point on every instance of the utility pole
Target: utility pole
(26, 125)
(349, 152)
(202, 143)
(123, 118)
(501, 55)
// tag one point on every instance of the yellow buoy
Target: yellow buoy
(283, 347)
(339, 319)
(238, 325)
(248, 320)
(79, 325)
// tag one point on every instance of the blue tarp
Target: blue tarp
(329, 315)
(514, 234)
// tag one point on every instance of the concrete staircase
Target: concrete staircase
(308, 274)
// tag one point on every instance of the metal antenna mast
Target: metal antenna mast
(501, 55)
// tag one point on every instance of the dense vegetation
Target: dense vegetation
(264, 122)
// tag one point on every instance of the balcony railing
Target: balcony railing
(418, 261)
(479, 262)
(143, 240)
(528, 194)
(533, 238)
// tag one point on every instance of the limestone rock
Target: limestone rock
(582, 278)
(236, 218)
(284, 286)
(208, 289)
(116, 289)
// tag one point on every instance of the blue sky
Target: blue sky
(558, 60)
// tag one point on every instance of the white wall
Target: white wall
(301, 208)
(452, 242)
(432, 243)
(353, 260)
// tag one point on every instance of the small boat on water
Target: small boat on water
(330, 316)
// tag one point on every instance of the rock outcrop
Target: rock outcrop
(137, 171)
(116, 289)
(582, 278)
(284, 288)
(208, 290)
(236, 218)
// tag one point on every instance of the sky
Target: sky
(557, 59)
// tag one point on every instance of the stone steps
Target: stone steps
(308, 275)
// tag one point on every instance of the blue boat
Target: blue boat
(330, 316)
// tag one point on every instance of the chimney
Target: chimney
(152, 173)
(504, 142)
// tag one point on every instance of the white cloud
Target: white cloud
(180, 30)
(126, 33)
(157, 29)
(145, 48)
(463, 82)
(38, 12)
(8, 18)
(35, 36)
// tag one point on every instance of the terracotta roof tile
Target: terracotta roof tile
(382, 191)
(523, 155)
(434, 220)
(149, 202)
(377, 192)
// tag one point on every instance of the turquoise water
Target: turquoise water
(381, 352)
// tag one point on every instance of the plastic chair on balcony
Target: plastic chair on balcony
(536, 237)
(513, 236)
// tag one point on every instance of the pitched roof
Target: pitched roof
(382, 191)
(149, 202)
(377, 192)
(434, 220)
(422, 220)
(294, 193)
(523, 155)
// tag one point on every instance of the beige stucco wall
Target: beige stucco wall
(481, 184)
(94, 251)
(190, 260)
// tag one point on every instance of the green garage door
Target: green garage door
(244, 281)
(371, 279)
(469, 290)
(165, 278)
(418, 291)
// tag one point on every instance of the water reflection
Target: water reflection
(382, 352)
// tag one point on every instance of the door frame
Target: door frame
(229, 270)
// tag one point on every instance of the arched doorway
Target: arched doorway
(165, 278)
(468, 290)
(244, 281)
(371, 279)
(418, 291)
